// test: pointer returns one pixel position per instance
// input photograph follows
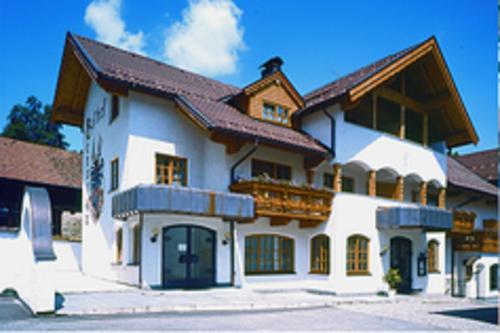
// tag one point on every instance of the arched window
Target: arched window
(266, 254)
(494, 277)
(433, 256)
(119, 244)
(357, 255)
(320, 254)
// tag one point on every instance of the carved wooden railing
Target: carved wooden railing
(463, 222)
(283, 202)
(478, 241)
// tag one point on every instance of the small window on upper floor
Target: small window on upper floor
(275, 113)
(171, 170)
(273, 170)
(114, 174)
(347, 184)
(115, 107)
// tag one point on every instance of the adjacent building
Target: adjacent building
(190, 182)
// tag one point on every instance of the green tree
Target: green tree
(31, 122)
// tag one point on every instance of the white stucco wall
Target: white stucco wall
(370, 147)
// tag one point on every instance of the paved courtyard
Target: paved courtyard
(405, 313)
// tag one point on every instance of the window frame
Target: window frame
(258, 251)
(119, 245)
(323, 257)
(493, 277)
(275, 112)
(275, 169)
(114, 108)
(136, 245)
(356, 255)
(114, 174)
(170, 169)
(433, 257)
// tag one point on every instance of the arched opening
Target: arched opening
(355, 178)
(358, 251)
(412, 187)
(494, 277)
(433, 256)
(386, 181)
(268, 254)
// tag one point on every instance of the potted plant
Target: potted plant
(392, 278)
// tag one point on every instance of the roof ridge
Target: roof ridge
(37, 144)
(160, 63)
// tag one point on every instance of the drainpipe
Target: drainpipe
(141, 233)
(233, 248)
(243, 158)
(332, 133)
(452, 267)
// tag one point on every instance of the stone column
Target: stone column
(337, 177)
(423, 193)
(442, 198)
(372, 183)
(399, 191)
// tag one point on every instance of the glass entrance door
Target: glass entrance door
(401, 259)
(188, 257)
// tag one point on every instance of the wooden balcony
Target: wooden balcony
(463, 222)
(283, 202)
(478, 241)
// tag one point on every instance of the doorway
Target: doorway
(401, 255)
(188, 257)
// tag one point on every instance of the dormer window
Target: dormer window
(275, 113)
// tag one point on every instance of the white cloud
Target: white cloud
(207, 39)
(104, 17)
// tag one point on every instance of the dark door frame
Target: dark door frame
(407, 241)
(188, 227)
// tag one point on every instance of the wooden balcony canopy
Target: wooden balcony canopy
(463, 222)
(478, 241)
(283, 203)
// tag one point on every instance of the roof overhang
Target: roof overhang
(461, 130)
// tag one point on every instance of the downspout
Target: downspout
(332, 133)
(452, 267)
(141, 227)
(232, 222)
(242, 159)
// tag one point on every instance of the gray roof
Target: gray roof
(460, 176)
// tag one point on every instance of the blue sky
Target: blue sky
(318, 40)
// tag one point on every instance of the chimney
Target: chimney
(271, 66)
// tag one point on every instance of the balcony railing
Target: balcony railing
(463, 222)
(284, 202)
(478, 241)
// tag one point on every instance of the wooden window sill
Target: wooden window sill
(269, 273)
(319, 272)
(358, 274)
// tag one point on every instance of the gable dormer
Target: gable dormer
(272, 98)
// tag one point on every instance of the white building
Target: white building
(192, 182)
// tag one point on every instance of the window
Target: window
(357, 255)
(119, 245)
(328, 180)
(494, 277)
(388, 116)
(268, 254)
(273, 170)
(414, 126)
(114, 174)
(362, 113)
(136, 250)
(320, 254)
(433, 257)
(115, 107)
(171, 170)
(348, 184)
(276, 113)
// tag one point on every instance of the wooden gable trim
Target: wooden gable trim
(262, 84)
(431, 46)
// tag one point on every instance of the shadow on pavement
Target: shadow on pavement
(488, 315)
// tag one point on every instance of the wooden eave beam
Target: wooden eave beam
(399, 98)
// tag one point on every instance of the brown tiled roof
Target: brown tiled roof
(39, 164)
(459, 175)
(202, 96)
(484, 163)
(339, 87)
